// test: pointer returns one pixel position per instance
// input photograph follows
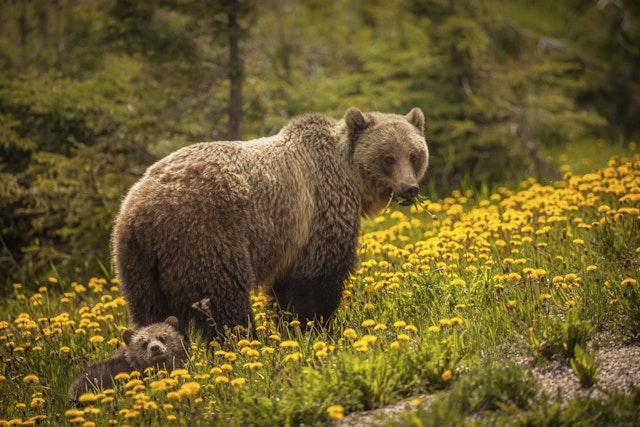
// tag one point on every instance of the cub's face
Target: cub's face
(390, 154)
(154, 345)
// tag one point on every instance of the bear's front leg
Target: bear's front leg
(311, 299)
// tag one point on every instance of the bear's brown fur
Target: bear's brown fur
(214, 220)
(157, 345)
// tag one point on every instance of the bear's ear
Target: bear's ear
(126, 336)
(416, 118)
(356, 122)
(172, 321)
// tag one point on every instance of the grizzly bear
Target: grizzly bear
(158, 345)
(216, 219)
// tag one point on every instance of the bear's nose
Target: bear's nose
(410, 191)
(155, 349)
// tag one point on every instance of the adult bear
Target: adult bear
(216, 219)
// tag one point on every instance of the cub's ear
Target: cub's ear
(126, 336)
(172, 321)
(356, 122)
(416, 118)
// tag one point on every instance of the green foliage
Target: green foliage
(584, 366)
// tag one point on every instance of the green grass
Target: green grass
(443, 288)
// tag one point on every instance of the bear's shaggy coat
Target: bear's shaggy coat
(214, 220)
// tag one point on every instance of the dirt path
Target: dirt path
(619, 368)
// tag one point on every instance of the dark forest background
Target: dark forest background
(94, 91)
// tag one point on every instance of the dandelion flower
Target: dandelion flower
(368, 323)
(349, 333)
(446, 375)
(238, 381)
(289, 344)
(31, 379)
(336, 412)
(628, 281)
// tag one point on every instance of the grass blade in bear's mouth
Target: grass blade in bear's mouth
(406, 202)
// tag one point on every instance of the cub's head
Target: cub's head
(156, 345)
(390, 154)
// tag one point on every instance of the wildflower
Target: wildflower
(238, 381)
(446, 375)
(433, 329)
(349, 333)
(628, 281)
(87, 397)
(592, 267)
(458, 282)
(380, 327)
(511, 303)
(31, 379)
(221, 379)
(368, 323)
(400, 324)
(416, 402)
(189, 389)
(403, 337)
(253, 365)
(395, 345)
(336, 412)
(96, 339)
(294, 322)
(267, 350)
(289, 344)
(545, 297)
(293, 357)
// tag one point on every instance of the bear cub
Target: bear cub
(158, 345)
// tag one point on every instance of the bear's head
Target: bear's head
(390, 155)
(155, 345)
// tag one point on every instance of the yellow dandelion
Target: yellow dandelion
(293, 357)
(238, 381)
(380, 327)
(189, 389)
(400, 324)
(31, 379)
(368, 323)
(349, 333)
(446, 375)
(403, 337)
(289, 344)
(628, 281)
(411, 328)
(87, 397)
(433, 329)
(336, 412)
(267, 350)
(511, 303)
(96, 339)
(221, 379)
(173, 395)
(592, 267)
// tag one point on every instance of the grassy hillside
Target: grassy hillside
(447, 293)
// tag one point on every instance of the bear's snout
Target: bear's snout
(156, 349)
(408, 193)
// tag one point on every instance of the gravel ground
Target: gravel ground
(619, 368)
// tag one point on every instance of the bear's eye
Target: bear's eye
(145, 344)
(162, 339)
(414, 159)
(389, 161)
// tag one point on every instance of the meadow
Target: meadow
(450, 293)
